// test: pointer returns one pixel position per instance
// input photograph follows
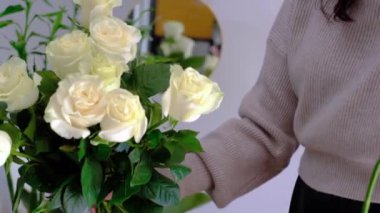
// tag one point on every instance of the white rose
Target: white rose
(5, 147)
(125, 117)
(68, 53)
(110, 72)
(93, 8)
(17, 89)
(114, 38)
(173, 29)
(77, 104)
(182, 45)
(190, 95)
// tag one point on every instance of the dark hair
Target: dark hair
(341, 10)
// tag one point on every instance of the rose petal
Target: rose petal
(140, 130)
(117, 135)
(5, 147)
(66, 131)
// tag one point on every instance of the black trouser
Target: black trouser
(307, 200)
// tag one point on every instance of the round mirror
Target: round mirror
(183, 31)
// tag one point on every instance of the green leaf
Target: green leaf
(67, 199)
(31, 128)
(189, 141)
(49, 84)
(102, 152)
(5, 23)
(189, 203)
(83, 146)
(41, 176)
(123, 192)
(91, 179)
(11, 10)
(19, 189)
(122, 163)
(55, 201)
(195, 62)
(152, 79)
(139, 205)
(43, 144)
(57, 23)
(29, 199)
(68, 148)
(135, 155)
(142, 172)
(8, 165)
(98, 141)
(3, 110)
(161, 191)
(73, 201)
(155, 114)
(177, 152)
(47, 2)
(17, 160)
(156, 59)
(180, 172)
(154, 139)
(160, 155)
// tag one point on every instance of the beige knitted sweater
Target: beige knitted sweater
(319, 87)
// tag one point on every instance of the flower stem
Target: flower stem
(371, 188)
(158, 124)
(22, 155)
(10, 183)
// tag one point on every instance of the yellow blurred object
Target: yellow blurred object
(197, 18)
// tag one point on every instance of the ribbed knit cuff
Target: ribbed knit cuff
(199, 178)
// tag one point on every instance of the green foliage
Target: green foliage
(5, 23)
(179, 172)
(141, 206)
(66, 198)
(124, 191)
(3, 111)
(154, 139)
(56, 19)
(188, 140)
(155, 115)
(102, 152)
(73, 201)
(91, 180)
(12, 9)
(49, 84)
(161, 191)
(19, 189)
(177, 152)
(375, 177)
(148, 80)
(195, 62)
(142, 171)
(135, 155)
(83, 147)
(27, 121)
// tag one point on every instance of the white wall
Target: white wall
(245, 25)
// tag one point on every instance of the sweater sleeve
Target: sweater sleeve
(245, 152)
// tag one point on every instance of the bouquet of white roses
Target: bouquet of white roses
(89, 128)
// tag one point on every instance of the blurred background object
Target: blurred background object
(186, 31)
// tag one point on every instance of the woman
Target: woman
(320, 88)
